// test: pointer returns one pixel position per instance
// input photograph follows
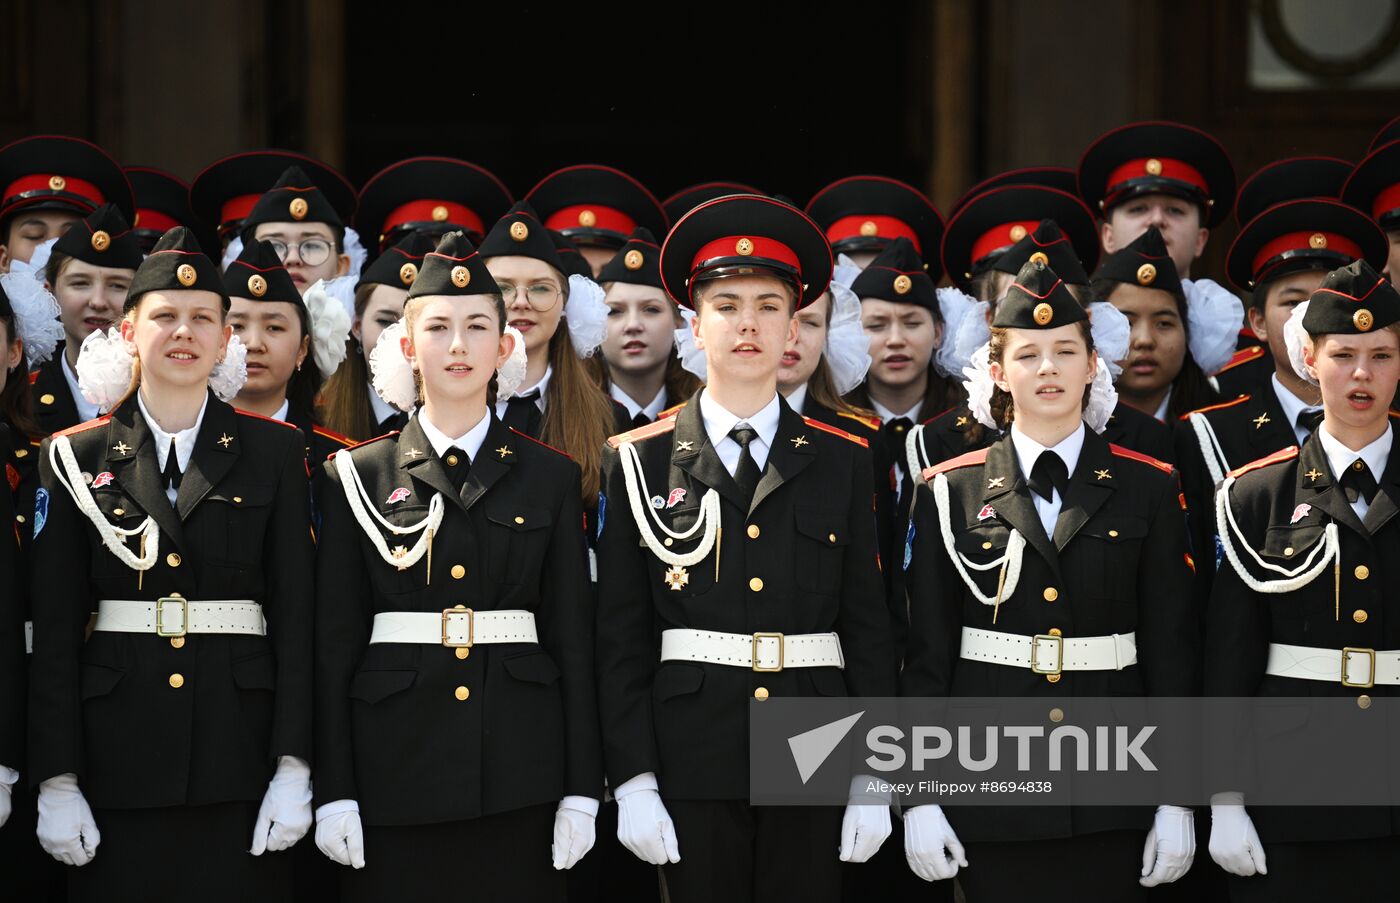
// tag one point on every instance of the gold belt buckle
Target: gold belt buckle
(160, 616)
(447, 615)
(1347, 653)
(768, 636)
(1059, 653)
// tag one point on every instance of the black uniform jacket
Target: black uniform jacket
(107, 707)
(54, 407)
(1117, 563)
(1363, 613)
(801, 558)
(321, 443)
(14, 607)
(391, 730)
(1247, 372)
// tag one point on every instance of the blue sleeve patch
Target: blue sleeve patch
(602, 511)
(41, 510)
(1219, 551)
(909, 546)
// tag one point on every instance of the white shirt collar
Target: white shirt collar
(282, 411)
(886, 415)
(797, 400)
(86, 409)
(184, 439)
(1028, 450)
(1339, 457)
(652, 408)
(1292, 405)
(470, 442)
(718, 421)
(542, 386)
(1161, 412)
(381, 409)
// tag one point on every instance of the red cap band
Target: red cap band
(871, 226)
(1155, 168)
(1386, 201)
(431, 211)
(237, 208)
(1002, 237)
(759, 248)
(53, 183)
(590, 216)
(154, 221)
(1304, 241)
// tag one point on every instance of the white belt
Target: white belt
(756, 651)
(1046, 654)
(175, 616)
(454, 627)
(1351, 667)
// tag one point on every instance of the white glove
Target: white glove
(1234, 844)
(1170, 847)
(8, 776)
(866, 824)
(66, 828)
(930, 846)
(285, 814)
(573, 830)
(339, 834)
(643, 825)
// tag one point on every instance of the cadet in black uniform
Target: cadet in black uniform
(1305, 604)
(785, 566)
(457, 722)
(191, 541)
(1282, 255)
(1094, 536)
(89, 270)
(306, 228)
(596, 207)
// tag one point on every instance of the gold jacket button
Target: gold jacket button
(458, 572)
(756, 584)
(668, 542)
(118, 511)
(760, 694)
(1363, 701)
(19, 518)
(1057, 714)
(173, 560)
(1055, 631)
(753, 531)
(1359, 616)
(1113, 534)
(177, 642)
(463, 652)
(831, 538)
(46, 398)
(1052, 678)
(177, 680)
(519, 519)
(1362, 572)
(238, 499)
(986, 545)
(451, 460)
(462, 693)
(1051, 594)
(1288, 551)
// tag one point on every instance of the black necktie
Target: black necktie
(1049, 474)
(1358, 482)
(523, 414)
(746, 474)
(457, 464)
(171, 474)
(640, 420)
(1309, 419)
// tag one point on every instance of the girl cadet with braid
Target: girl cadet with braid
(457, 729)
(176, 738)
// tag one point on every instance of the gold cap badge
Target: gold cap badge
(297, 208)
(407, 273)
(1043, 314)
(257, 286)
(902, 284)
(186, 274)
(101, 241)
(633, 260)
(461, 277)
(519, 231)
(1146, 274)
(439, 214)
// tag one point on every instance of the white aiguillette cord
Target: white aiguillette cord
(1302, 575)
(113, 537)
(639, 497)
(363, 508)
(1009, 562)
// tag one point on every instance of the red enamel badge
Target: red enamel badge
(102, 479)
(398, 495)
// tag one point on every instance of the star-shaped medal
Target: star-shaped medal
(400, 552)
(677, 577)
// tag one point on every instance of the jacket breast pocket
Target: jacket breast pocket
(517, 538)
(121, 511)
(1110, 549)
(1289, 546)
(821, 541)
(684, 581)
(233, 523)
(981, 549)
(386, 577)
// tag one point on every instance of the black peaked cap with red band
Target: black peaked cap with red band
(225, 193)
(521, 234)
(55, 172)
(1290, 180)
(258, 275)
(1388, 133)
(454, 267)
(176, 263)
(1143, 262)
(398, 266)
(993, 222)
(690, 197)
(596, 205)
(432, 195)
(897, 274)
(162, 203)
(294, 199)
(866, 213)
(1038, 299)
(1158, 158)
(638, 262)
(1352, 300)
(103, 239)
(1307, 234)
(1048, 244)
(575, 264)
(1059, 178)
(742, 235)
(1374, 186)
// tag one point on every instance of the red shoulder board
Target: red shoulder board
(661, 425)
(869, 422)
(82, 427)
(1244, 356)
(244, 413)
(973, 457)
(1122, 452)
(332, 435)
(538, 442)
(33, 377)
(1287, 454)
(828, 428)
(671, 411)
(368, 441)
(1216, 407)
(939, 414)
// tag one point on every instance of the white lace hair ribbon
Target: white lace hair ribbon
(1296, 339)
(65, 467)
(692, 357)
(105, 367)
(1103, 398)
(390, 372)
(512, 373)
(231, 373)
(330, 327)
(964, 328)
(586, 315)
(1214, 317)
(36, 315)
(1296, 578)
(639, 498)
(1111, 331)
(366, 514)
(1011, 558)
(37, 263)
(235, 248)
(355, 250)
(847, 347)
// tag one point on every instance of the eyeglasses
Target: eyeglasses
(313, 252)
(540, 295)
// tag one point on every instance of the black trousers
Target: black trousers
(26, 871)
(737, 853)
(1326, 870)
(610, 873)
(178, 854)
(1104, 866)
(887, 877)
(495, 857)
